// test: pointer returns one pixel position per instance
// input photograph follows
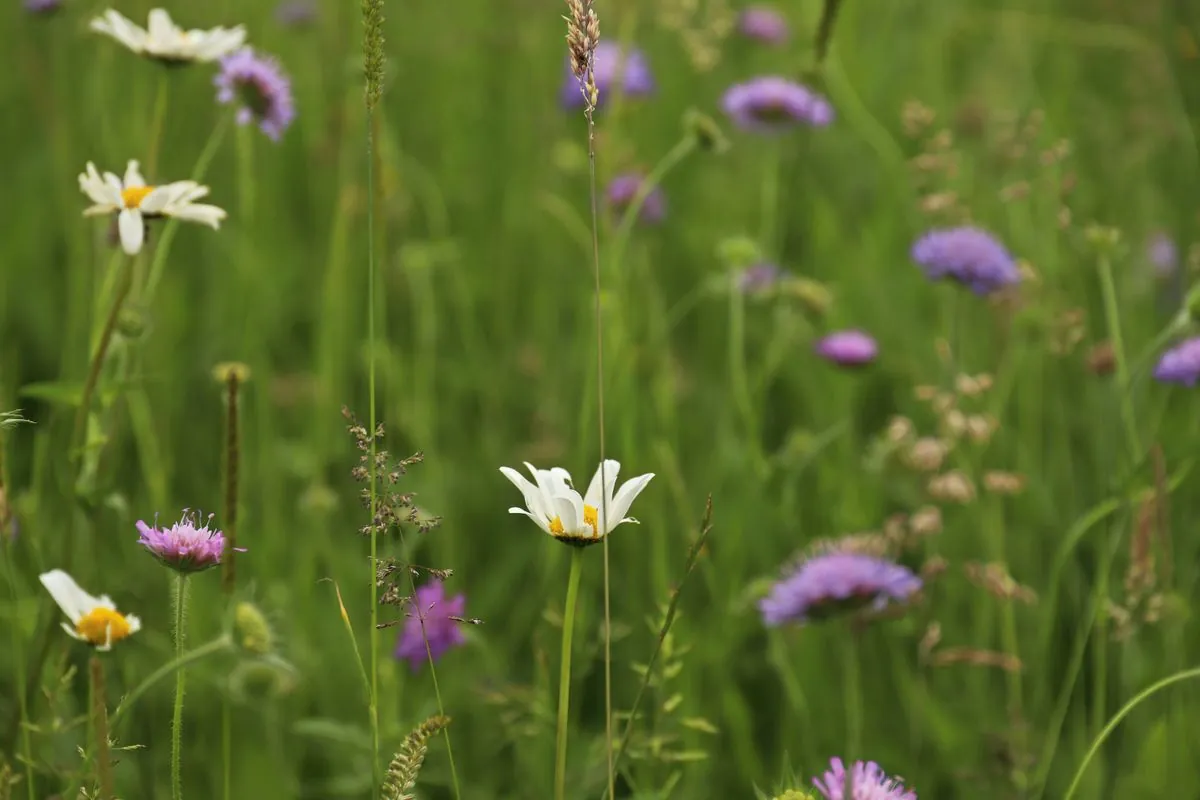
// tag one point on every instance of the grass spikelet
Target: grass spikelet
(406, 764)
(373, 58)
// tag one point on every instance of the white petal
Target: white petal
(73, 600)
(113, 186)
(100, 209)
(541, 523)
(133, 175)
(135, 624)
(132, 230)
(625, 497)
(163, 32)
(156, 201)
(533, 497)
(197, 212)
(568, 514)
(219, 42)
(610, 468)
(74, 634)
(91, 184)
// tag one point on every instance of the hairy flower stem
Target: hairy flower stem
(179, 601)
(232, 452)
(564, 678)
(104, 773)
(100, 353)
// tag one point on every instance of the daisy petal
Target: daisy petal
(132, 230)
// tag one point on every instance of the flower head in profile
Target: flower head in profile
(186, 546)
(134, 202)
(610, 64)
(624, 188)
(296, 13)
(42, 6)
(835, 581)
(433, 618)
(1180, 364)
(771, 104)
(764, 24)
(552, 502)
(94, 620)
(865, 781)
(262, 92)
(968, 255)
(852, 348)
(165, 41)
(1163, 254)
(759, 278)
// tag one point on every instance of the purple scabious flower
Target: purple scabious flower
(42, 6)
(759, 278)
(186, 546)
(1163, 254)
(827, 583)
(1180, 364)
(441, 628)
(261, 90)
(764, 24)
(852, 348)
(772, 104)
(624, 188)
(609, 60)
(867, 781)
(295, 13)
(969, 255)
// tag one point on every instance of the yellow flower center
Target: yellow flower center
(101, 625)
(590, 517)
(133, 196)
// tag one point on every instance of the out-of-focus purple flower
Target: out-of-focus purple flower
(867, 781)
(830, 582)
(1163, 254)
(261, 90)
(1180, 364)
(624, 188)
(609, 60)
(758, 278)
(969, 255)
(186, 546)
(772, 104)
(441, 629)
(42, 6)
(296, 13)
(764, 24)
(851, 348)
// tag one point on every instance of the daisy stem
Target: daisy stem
(179, 601)
(156, 126)
(564, 678)
(100, 351)
(104, 773)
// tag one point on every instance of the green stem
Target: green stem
(564, 678)
(100, 352)
(226, 749)
(852, 684)
(179, 601)
(770, 201)
(104, 771)
(437, 691)
(682, 149)
(19, 656)
(373, 708)
(156, 126)
(1113, 322)
(1120, 715)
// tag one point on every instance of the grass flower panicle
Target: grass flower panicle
(836, 581)
(610, 64)
(558, 509)
(772, 104)
(850, 348)
(435, 619)
(134, 202)
(165, 41)
(94, 620)
(186, 546)
(624, 188)
(260, 89)
(865, 781)
(968, 255)
(1180, 364)
(764, 24)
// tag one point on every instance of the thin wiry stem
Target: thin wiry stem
(373, 709)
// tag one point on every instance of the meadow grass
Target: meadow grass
(1066, 128)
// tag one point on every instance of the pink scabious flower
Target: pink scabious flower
(259, 88)
(433, 619)
(186, 546)
(772, 104)
(1180, 364)
(851, 348)
(764, 24)
(867, 781)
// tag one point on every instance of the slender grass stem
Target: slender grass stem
(1112, 320)
(162, 96)
(179, 601)
(564, 678)
(373, 500)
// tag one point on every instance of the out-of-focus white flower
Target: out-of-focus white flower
(162, 39)
(133, 201)
(552, 502)
(94, 620)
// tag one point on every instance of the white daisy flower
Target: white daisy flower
(133, 201)
(552, 502)
(94, 620)
(162, 39)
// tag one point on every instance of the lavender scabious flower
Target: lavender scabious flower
(295, 13)
(764, 24)
(186, 546)
(852, 348)
(835, 581)
(441, 628)
(759, 278)
(42, 6)
(1163, 254)
(867, 781)
(261, 90)
(609, 60)
(773, 104)
(1180, 364)
(624, 188)
(969, 255)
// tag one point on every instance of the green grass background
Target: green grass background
(486, 358)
